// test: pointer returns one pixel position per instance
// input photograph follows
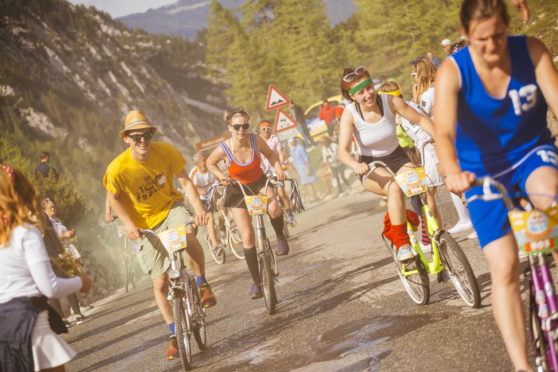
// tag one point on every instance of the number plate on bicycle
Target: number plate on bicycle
(412, 182)
(174, 239)
(535, 231)
(256, 204)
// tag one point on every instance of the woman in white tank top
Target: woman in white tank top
(370, 119)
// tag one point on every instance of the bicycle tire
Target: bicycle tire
(234, 241)
(220, 259)
(268, 281)
(286, 231)
(463, 279)
(538, 338)
(417, 285)
(182, 333)
(198, 328)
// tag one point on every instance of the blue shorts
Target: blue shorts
(490, 218)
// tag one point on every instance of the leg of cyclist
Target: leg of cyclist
(507, 306)
(286, 202)
(381, 182)
(543, 181)
(196, 260)
(243, 221)
(277, 221)
(213, 234)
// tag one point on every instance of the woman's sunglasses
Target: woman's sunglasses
(351, 76)
(137, 137)
(265, 129)
(238, 126)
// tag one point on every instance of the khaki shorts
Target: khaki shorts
(152, 255)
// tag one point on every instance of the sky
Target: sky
(120, 8)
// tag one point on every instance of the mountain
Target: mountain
(186, 17)
(69, 75)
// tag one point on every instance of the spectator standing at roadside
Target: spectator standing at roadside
(298, 115)
(45, 166)
(327, 114)
(446, 45)
(331, 161)
(433, 59)
(302, 167)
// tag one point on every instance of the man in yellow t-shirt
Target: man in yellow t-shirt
(141, 193)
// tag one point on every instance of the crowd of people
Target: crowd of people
(488, 101)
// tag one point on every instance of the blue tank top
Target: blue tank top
(494, 134)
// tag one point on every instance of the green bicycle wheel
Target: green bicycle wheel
(459, 270)
(182, 332)
(268, 280)
(417, 285)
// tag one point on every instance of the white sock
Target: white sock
(462, 212)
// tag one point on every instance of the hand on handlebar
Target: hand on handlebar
(459, 182)
(281, 176)
(361, 168)
(202, 219)
(133, 232)
(225, 181)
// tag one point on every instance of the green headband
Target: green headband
(360, 85)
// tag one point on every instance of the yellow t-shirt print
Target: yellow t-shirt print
(146, 188)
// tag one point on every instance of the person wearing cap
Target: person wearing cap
(446, 45)
(141, 193)
(275, 144)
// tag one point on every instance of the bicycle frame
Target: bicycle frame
(541, 279)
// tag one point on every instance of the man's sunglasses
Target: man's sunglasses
(351, 76)
(137, 137)
(238, 126)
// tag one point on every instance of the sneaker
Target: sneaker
(425, 248)
(404, 253)
(256, 292)
(172, 351)
(81, 319)
(283, 247)
(291, 221)
(207, 297)
(460, 226)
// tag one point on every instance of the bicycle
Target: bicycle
(446, 253)
(189, 313)
(267, 261)
(231, 238)
(129, 272)
(536, 233)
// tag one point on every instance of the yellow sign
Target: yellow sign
(174, 239)
(412, 182)
(535, 231)
(256, 204)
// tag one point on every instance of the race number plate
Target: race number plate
(535, 231)
(174, 239)
(412, 182)
(256, 204)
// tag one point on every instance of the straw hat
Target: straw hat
(136, 120)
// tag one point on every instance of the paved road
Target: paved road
(342, 308)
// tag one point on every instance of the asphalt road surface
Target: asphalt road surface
(341, 307)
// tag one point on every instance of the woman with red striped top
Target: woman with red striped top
(241, 154)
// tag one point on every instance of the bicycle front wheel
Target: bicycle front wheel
(417, 285)
(456, 264)
(198, 326)
(219, 256)
(268, 279)
(235, 243)
(182, 332)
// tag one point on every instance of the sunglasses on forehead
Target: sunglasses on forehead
(238, 126)
(137, 137)
(351, 76)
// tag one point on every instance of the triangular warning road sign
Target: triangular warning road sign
(275, 99)
(283, 121)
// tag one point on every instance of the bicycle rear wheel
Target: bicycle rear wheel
(182, 332)
(235, 243)
(417, 285)
(198, 326)
(286, 230)
(268, 278)
(456, 264)
(220, 257)
(537, 335)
